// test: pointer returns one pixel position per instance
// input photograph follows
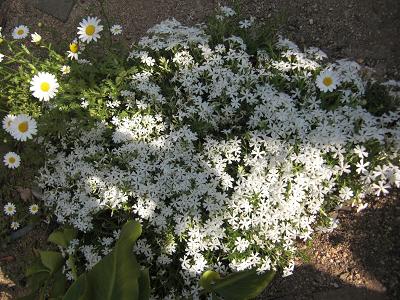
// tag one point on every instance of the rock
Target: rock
(37, 192)
(24, 193)
(21, 232)
(59, 9)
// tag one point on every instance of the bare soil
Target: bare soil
(361, 257)
(364, 30)
(359, 260)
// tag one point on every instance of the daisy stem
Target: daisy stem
(103, 12)
(4, 110)
(7, 67)
(13, 60)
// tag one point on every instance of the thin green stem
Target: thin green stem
(103, 12)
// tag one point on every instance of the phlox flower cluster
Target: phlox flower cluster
(225, 158)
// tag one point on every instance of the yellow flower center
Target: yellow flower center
(327, 81)
(45, 86)
(23, 127)
(90, 29)
(20, 32)
(10, 209)
(11, 160)
(73, 47)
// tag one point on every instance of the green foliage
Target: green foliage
(237, 286)
(62, 237)
(261, 35)
(45, 274)
(51, 260)
(378, 100)
(144, 284)
(117, 275)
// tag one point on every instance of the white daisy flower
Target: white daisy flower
(23, 127)
(73, 50)
(89, 29)
(1, 57)
(9, 209)
(65, 70)
(36, 38)
(7, 121)
(44, 86)
(14, 225)
(12, 160)
(20, 32)
(33, 209)
(116, 29)
(327, 81)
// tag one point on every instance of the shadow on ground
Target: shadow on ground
(359, 260)
(308, 283)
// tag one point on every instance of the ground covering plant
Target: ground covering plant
(225, 142)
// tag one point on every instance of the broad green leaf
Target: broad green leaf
(77, 289)
(51, 260)
(144, 284)
(36, 267)
(208, 278)
(37, 275)
(71, 263)
(32, 296)
(62, 238)
(242, 285)
(36, 281)
(116, 276)
(59, 285)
